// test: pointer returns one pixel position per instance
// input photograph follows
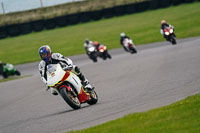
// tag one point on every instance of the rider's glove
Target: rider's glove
(67, 68)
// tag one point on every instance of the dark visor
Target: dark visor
(44, 56)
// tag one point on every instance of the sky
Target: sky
(21, 5)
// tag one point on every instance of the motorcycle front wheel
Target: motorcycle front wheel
(94, 98)
(17, 73)
(108, 55)
(70, 99)
(173, 39)
(133, 50)
(5, 75)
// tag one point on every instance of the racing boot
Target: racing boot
(53, 91)
(85, 82)
(87, 85)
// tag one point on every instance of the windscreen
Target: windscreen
(51, 68)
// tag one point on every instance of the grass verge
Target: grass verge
(179, 117)
(13, 78)
(142, 27)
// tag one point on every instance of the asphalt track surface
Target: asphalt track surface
(158, 75)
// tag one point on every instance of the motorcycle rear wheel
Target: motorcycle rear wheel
(94, 98)
(70, 99)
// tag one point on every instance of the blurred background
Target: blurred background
(8, 6)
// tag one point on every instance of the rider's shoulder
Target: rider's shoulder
(42, 63)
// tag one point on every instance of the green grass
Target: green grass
(13, 78)
(142, 27)
(180, 117)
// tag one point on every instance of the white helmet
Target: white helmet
(122, 34)
(163, 22)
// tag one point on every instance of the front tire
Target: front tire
(109, 56)
(93, 57)
(5, 75)
(94, 98)
(70, 99)
(17, 73)
(94, 60)
(173, 39)
(133, 51)
(104, 56)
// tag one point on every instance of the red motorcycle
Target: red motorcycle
(169, 33)
(103, 52)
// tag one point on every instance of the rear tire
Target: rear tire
(17, 73)
(71, 100)
(94, 98)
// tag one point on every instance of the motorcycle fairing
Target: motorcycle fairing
(168, 31)
(102, 48)
(56, 76)
(83, 96)
(62, 80)
(128, 43)
(75, 81)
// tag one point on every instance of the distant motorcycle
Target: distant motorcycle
(169, 33)
(103, 52)
(92, 53)
(69, 86)
(9, 70)
(129, 45)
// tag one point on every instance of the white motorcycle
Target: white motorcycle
(170, 35)
(129, 45)
(92, 53)
(69, 86)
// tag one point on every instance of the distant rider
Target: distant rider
(163, 26)
(123, 37)
(2, 71)
(1, 67)
(97, 44)
(87, 44)
(53, 58)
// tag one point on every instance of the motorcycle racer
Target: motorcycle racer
(163, 26)
(87, 44)
(7, 70)
(123, 37)
(96, 44)
(53, 58)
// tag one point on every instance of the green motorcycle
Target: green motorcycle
(9, 70)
